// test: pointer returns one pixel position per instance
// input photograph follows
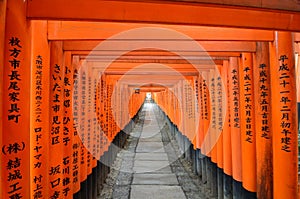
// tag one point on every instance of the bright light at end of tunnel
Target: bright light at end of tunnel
(148, 96)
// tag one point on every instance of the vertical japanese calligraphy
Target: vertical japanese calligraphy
(14, 112)
(220, 115)
(233, 97)
(264, 102)
(67, 135)
(55, 170)
(213, 125)
(76, 139)
(39, 137)
(284, 117)
(15, 142)
(40, 75)
(247, 113)
(263, 121)
(285, 102)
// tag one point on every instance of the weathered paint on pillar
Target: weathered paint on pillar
(39, 111)
(247, 114)
(263, 118)
(284, 116)
(15, 146)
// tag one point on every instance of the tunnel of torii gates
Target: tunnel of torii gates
(75, 73)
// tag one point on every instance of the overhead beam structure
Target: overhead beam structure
(269, 4)
(82, 53)
(183, 46)
(173, 13)
(74, 30)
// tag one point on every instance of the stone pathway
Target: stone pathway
(153, 177)
(148, 167)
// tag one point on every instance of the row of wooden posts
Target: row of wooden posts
(56, 116)
(243, 116)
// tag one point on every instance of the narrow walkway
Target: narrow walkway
(149, 167)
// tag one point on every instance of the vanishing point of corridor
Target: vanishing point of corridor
(149, 99)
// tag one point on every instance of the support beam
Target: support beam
(73, 30)
(159, 61)
(148, 67)
(272, 4)
(207, 46)
(172, 12)
(154, 53)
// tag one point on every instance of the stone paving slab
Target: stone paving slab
(141, 166)
(150, 132)
(155, 138)
(156, 191)
(154, 179)
(150, 147)
(151, 156)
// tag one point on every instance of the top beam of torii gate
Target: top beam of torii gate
(166, 12)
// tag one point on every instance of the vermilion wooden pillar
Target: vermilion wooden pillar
(220, 115)
(263, 118)
(68, 130)
(82, 120)
(206, 148)
(200, 112)
(227, 156)
(15, 146)
(247, 106)
(88, 120)
(39, 111)
(284, 116)
(219, 128)
(297, 48)
(76, 138)
(213, 108)
(233, 76)
(235, 126)
(2, 42)
(55, 139)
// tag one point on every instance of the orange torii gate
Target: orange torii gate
(43, 60)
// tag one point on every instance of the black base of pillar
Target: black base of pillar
(227, 186)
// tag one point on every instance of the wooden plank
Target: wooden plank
(164, 13)
(148, 66)
(268, 4)
(149, 58)
(73, 30)
(209, 61)
(125, 46)
(154, 53)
